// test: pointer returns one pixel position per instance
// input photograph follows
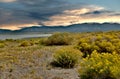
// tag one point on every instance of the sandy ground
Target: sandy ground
(35, 67)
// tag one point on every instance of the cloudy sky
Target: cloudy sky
(16, 14)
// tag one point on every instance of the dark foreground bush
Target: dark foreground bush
(66, 57)
(100, 66)
(58, 39)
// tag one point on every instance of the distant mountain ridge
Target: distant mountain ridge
(85, 27)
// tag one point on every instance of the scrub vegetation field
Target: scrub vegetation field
(90, 55)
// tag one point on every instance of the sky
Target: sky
(16, 14)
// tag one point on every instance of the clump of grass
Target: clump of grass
(58, 39)
(100, 66)
(66, 57)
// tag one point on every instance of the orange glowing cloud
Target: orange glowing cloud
(76, 16)
(7, 0)
(18, 26)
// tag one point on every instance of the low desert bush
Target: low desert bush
(2, 45)
(100, 66)
(25, 43)
(58, 39)
(66, 57)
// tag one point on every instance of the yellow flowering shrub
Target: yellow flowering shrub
(100, 42)
(66, 57)
(100, 66)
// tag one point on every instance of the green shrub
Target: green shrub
(100, 66)
(58, 39)
(25, 43)
(2, 45)
(66, 57)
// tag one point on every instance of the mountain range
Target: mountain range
(85, 27)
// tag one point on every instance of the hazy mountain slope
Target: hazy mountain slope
(85, 27)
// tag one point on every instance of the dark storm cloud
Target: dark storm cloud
(116, 14)
(101, 13)
(98, 12)
(21, 11)
(43, 9)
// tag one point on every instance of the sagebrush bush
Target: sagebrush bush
(58, 39)
(25, 43)
(66, 57)
(2, 45)
(100, 66)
